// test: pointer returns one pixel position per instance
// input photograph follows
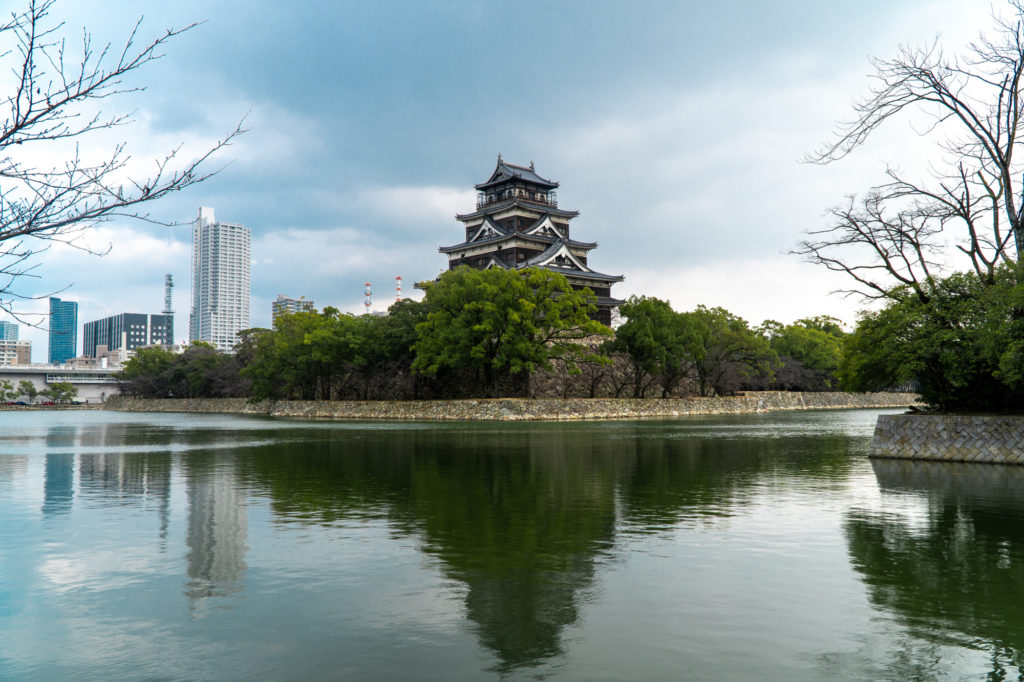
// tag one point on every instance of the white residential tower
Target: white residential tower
(220, 281)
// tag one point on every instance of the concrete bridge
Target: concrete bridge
(94, 384)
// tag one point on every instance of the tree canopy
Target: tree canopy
(499, 322)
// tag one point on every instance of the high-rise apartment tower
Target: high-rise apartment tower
(220, 281)
(8, 331)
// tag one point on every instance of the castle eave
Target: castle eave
(499, 206)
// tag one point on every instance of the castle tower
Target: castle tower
(517, 224)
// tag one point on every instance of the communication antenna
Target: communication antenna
(368, 297)
(168, 289)
(398, 289)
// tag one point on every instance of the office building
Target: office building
(284, 305)
(63, 331)
(220, 281)
(127, 331)
(8, 331)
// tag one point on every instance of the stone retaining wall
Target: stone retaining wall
(950, 438)
(512, 409)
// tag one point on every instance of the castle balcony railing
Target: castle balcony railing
(543, 198)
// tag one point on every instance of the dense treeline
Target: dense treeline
(489, 333)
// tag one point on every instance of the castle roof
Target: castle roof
(559, 258)
(506, 235)
(498, 206)
(505, 172)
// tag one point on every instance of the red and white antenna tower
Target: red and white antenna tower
(368, 297)
(398, 289)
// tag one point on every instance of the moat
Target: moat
(761, 546)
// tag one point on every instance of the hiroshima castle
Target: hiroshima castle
(517, 224)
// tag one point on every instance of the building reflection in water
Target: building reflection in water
(58, 488)
(217, 532)
(132, 478)
(13, 470)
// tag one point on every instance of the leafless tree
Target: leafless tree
(59, 97)
(900, 232)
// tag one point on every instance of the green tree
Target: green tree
(307, 356)
(963, 348)
(7, 390)
(503, 323)
(28, 389)
(809, 351)
(61, 392)
(147, 374)
(725, 348)
(199, 372)
(658, 342)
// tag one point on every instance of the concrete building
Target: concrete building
(220, 281)
(63, 331)
(8, 331)
(94, 384)
(127, 331)
(284, 305)
(14, 352)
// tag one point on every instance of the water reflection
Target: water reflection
(527, 522)
(524, 517)
(948, 561)
(217, 529)
(58, 489)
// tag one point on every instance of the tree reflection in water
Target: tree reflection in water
(523, 517)
(955, 573)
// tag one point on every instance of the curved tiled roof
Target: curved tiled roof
(511, 235)
(506, 172)
(525, 203)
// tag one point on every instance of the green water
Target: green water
(763, 547)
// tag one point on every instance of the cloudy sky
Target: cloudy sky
(675, 128)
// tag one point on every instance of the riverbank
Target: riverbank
(520, 409)
(990, 439)
(40, 406)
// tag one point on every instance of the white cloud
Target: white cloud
(756, 289)
(410, 208)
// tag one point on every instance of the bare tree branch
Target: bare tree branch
(973, 105)
(56, 99)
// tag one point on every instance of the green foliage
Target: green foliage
(7, 390)
(724, 345)
(28, 389)
(809, 351)
(711, 345)
(963, 348)
(199, 372)
(657, 341)
(331, 355)
(503, 323)
(61, 392)
(304, 357)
